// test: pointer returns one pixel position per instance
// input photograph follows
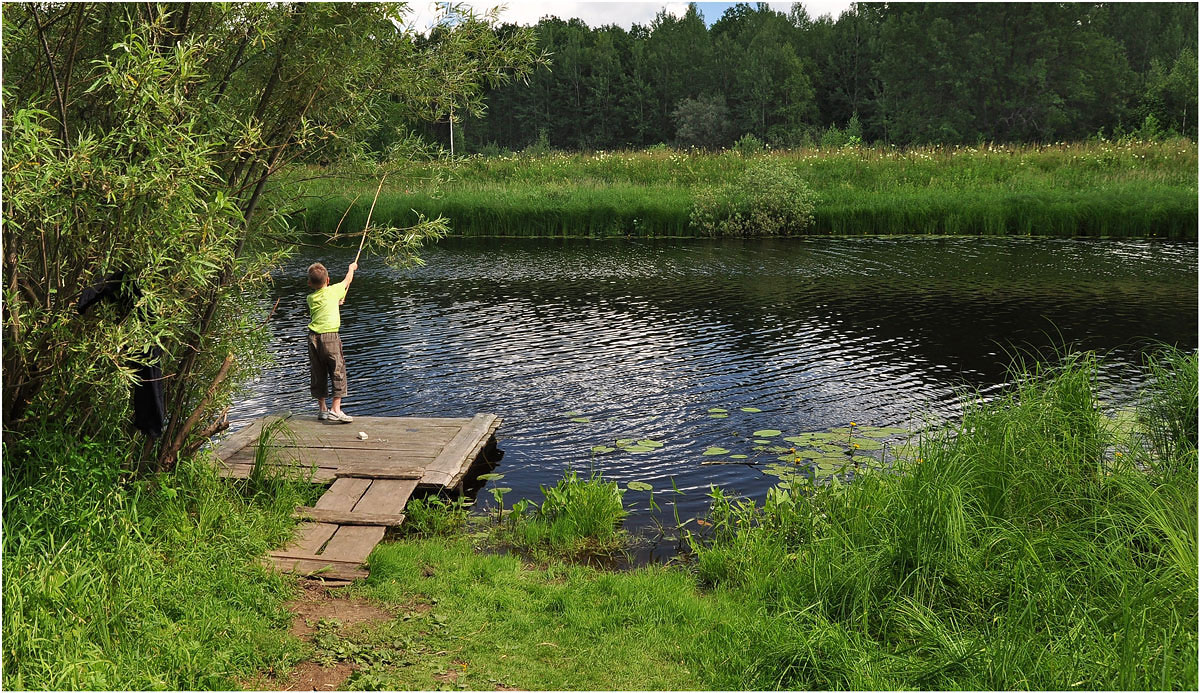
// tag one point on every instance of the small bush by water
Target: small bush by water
(769, 199)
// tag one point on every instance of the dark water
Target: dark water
(643, 337)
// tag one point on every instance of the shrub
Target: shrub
(748, 144)
(769, 199)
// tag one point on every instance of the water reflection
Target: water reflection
(644, 337)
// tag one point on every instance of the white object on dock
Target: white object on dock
(362, 435)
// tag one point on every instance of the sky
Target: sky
(601, 12)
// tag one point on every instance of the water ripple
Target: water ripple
(644, 337)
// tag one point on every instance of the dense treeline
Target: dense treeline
(898, 73)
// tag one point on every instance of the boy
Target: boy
(324, 345)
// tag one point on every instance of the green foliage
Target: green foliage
(914, 73)
(748, 145)
(434, 516)
(702, 122)
(1169, 409)
(1017, 550)
(95, 570)
(578, 518)
(769, 199)
(141, 138)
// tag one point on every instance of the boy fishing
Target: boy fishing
(324, 344)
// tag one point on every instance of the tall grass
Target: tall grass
(578, 518)
(1018, 551)
(113, 584)
(1129, 189)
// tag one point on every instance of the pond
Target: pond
(580, 343)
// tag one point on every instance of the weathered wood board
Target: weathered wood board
(372, 479)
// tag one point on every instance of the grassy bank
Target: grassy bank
(1128, 189)
(111, 584)
(1034, 545)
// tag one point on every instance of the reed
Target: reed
(1020, 550)
(1115, 189)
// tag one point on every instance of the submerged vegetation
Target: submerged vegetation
(1126, 188)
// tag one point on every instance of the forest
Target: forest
(893, 73)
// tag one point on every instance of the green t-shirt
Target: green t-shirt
(323, 308)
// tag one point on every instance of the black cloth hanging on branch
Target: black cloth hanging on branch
(149, 407)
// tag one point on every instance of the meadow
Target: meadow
(1127, 188)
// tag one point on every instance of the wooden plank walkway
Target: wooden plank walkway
(372, 479)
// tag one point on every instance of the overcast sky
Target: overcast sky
(601, 12)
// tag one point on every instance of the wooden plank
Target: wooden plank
(471, 456)
(240, 439)
(386, 496)
(353, 543)
(311, 536)
(344, 518)
(295, 556)
(321, 569)
(343, 494)
(379, 472)
(242, 471)
(453, 458)
(429, 444)
(333, 458)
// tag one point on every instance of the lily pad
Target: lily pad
(647, 443)
(788, 458)
(638, 448)
(622, 442)
(761, 441)
(778, 449)
(867, 444)
(715, 451)
(737, 457)
(574, 412)
(752, 410)
(601, 449)
(491, 476)
(766, 433)
(581, 419)
(639, 486)
(718, 416)
(717, 410)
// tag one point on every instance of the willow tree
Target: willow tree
(145, 139)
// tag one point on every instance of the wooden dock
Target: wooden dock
(372, 479)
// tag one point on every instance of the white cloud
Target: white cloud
(594, 13)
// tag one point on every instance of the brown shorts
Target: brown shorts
(325, 362)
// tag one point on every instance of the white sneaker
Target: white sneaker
(340, 416)
(322, 416)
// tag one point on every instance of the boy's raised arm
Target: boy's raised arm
(350, 274)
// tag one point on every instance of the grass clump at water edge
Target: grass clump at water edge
(1020, 551)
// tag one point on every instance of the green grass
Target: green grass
(120, 585)
(1124, 189)
(578, 519)
(1018, 551)
(1033, 545)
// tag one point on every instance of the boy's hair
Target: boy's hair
(318, 276)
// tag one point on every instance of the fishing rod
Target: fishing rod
(368, 224)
